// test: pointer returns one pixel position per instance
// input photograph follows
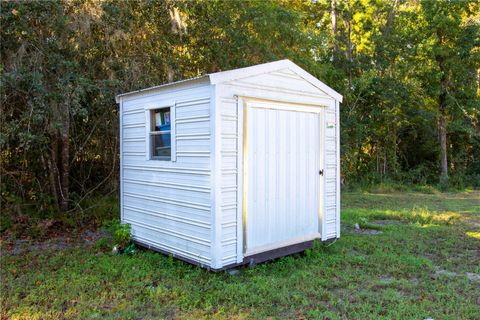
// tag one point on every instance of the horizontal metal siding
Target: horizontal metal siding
(183, 210)
(228, 145)
(178, 191)
(181, 247)
(331, 162)
(168, 203)
(133, 159)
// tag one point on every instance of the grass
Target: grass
(415, 269)
(41, 225)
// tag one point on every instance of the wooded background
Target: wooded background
(409, 72)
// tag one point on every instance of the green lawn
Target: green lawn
(425, 263)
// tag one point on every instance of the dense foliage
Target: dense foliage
(409, 72)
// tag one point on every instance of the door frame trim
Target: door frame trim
(243, 104)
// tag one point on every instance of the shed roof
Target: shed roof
(225, 76)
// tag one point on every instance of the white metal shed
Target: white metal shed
(232, 167)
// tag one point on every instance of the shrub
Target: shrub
(121, 234)
(424, 189)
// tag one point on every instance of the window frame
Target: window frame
(149, 134)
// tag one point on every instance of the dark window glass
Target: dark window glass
(161, 146)
(160, 136)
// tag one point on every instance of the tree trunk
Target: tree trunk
(384, 162)
(391, 18)
(52, 179)
(65, 155)
(442, 117)
(336, 48)
(53, 169)
(442, 135)
(349, 46)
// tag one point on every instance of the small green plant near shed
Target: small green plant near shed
(118, 239)
(121, 234)
(122, 238)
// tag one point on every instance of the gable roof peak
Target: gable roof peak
(229, 75)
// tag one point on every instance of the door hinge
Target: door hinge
(320, 172)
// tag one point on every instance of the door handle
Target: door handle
(320, 172)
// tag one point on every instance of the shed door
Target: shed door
(281, 176)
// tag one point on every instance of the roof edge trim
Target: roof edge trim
(118, 96)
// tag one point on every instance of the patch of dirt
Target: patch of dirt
(368, 232)
(86, 238)
(356, 229)
(441, 272)
(413, 280)
(386, 222)
(386, 279)
(472, 221)
(474, 277)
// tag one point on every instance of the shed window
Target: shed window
(160, 134)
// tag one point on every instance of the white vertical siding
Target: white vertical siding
(282, 176)
(168, 203)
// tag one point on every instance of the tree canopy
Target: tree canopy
(409, 72)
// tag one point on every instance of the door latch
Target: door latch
(320, 172)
